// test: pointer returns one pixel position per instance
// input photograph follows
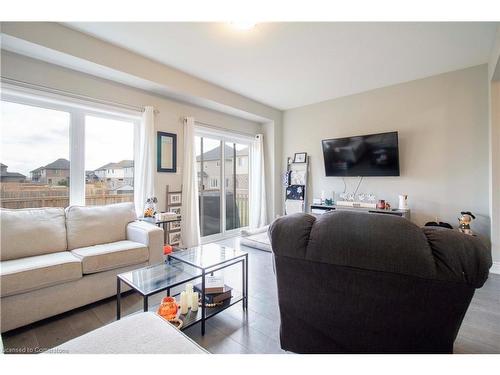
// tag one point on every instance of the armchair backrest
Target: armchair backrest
(385, 243)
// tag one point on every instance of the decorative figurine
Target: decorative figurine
(150, 207)
(381, 204)
(465, 221)
(403, 202)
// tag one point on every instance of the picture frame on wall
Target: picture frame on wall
(300, 157)
(176, 210)
(174, 225)
(175, 199)
(174, 238)
(166, 152)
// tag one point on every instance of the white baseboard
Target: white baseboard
(495, 268)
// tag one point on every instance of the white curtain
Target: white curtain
(258, 215)
(144, 169)
(190, 224)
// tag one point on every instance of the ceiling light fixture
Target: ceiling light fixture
(243, 25)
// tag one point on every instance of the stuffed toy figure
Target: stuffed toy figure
(464, 222)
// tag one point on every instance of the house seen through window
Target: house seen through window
(35, 158)
(109, 161)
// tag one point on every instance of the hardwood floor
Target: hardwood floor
(254, 331)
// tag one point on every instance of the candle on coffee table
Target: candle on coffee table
(184, 303)
(194, 301)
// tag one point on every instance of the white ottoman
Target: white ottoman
(144, 333)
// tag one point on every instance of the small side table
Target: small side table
(208, 259)
(183, 267)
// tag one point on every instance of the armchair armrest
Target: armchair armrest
(289, 235)
(149, 235)
(459, 257)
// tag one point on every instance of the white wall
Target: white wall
(169, 118)
(494, 75)
(493, 72)
(495, 171)
(443, 133)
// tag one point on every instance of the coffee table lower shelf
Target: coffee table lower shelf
(193, 317)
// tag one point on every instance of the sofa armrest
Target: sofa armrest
(149, 235)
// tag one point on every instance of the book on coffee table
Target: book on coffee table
(214, 284)
(216, 297)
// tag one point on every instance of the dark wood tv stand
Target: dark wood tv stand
(320, 209)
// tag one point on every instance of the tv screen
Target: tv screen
(366, 155)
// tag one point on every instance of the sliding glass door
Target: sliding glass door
(208, 158)
(223, 187)
(236, 184)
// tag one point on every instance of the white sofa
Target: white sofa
(54, 259)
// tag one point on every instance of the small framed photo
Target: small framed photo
(174, 238)
(174, 199)
(175, 210)
(174, 225)
(300, 157)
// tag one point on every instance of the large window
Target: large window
(34, 156)
(231, 197)
(109, 160)
(54, 154)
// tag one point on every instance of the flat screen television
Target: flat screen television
(365, 155)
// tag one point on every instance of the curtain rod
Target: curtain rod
(51, 90)
(215, 127)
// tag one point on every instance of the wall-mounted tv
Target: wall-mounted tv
(365, 155)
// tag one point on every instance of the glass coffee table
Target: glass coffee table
(184, 266)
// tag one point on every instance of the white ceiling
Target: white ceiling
(287, 65)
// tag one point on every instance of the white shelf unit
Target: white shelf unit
(299, 167)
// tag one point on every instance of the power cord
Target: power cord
(357, 187)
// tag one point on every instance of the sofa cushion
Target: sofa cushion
(139, 333)
(108, 256)
(93, 225)
(26, 274)
(32, 231)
